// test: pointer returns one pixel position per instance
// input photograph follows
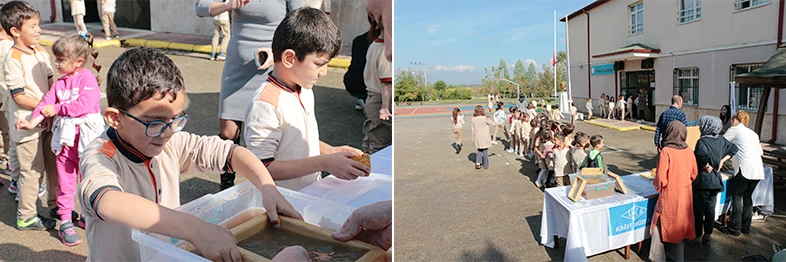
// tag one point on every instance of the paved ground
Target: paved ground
(447, 210)
(340, 124)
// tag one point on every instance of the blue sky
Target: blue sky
(456, 39)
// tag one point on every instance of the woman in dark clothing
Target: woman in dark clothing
(725, 117)
(712, 150)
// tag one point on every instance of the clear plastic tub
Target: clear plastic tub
(220, 207)
(602, 186)
(362, 192)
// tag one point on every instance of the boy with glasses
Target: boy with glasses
(131, 173)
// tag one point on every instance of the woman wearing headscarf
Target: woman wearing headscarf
(676, 171)
(712, 150)
(748, 170)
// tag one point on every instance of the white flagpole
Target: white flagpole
(567, 52)
(554, 54)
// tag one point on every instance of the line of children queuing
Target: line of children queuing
(130, 172)
(63, 118)
(558, 151)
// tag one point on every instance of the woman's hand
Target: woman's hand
(236, 4)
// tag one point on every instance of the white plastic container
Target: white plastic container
(220, 207)
(364, 191)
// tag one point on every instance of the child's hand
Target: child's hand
(384, 114)
(275, 204)
(347, 149)
(48, 111)
(341, 165)
(216, 243)
(23, 124)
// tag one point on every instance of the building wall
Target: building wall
(352, 20)
(179, 17)
(45, 10)
(721, 38)
(349, 16)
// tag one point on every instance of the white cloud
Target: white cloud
(456, 68)
(469, 32)
(431, 30)
(447, 40)
(531, 61)
(525, 32)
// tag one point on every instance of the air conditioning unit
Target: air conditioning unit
(647, 63)
(619, 65)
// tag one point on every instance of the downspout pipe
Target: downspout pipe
(777, 90)
(54, 11)
(589, 77)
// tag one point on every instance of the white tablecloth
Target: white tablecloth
(599, 225)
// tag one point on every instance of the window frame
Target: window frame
(695, 14)
(749, 92)
(692, 75)
(738, 4)
(635, 27)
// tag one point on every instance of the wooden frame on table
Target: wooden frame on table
(301, 228)
(619, 186)
(577, 186)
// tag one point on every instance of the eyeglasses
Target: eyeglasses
(157, 127)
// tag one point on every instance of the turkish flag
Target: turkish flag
(554, 60)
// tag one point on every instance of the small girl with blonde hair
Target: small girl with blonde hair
(73, 102)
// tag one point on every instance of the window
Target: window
(746, 96)
(686, 84)
(637, 19)
(745, 4)
(690, 10)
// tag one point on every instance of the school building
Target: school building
(662, 48)
(179, 16)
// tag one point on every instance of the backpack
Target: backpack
(589, 162)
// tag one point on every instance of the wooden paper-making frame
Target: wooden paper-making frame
(619, 186)
(303, 229)
(576, 188)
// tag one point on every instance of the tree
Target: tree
(440, 85)
(562, 72)
(519, 72)
(545, 84)
(407, 86)
(531, 75)
(503, 69)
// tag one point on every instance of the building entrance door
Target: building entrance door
(640, 85)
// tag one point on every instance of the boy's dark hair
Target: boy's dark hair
(559, 136)
(140, 73)
(567, 129)
(306, 30)
(374, 30)
(546, 135)
(579, 139)
(595, 140)
(14, 13)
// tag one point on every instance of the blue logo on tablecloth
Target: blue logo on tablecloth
(629, 217)
(723, 194)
